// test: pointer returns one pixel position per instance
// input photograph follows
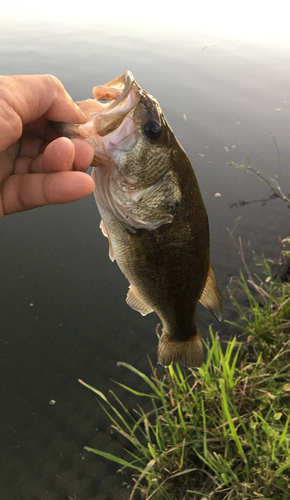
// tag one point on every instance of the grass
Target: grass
(220, 432)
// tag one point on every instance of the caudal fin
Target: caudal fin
(189, 352)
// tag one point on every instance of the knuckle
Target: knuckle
(53, 82)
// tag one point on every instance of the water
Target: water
(62, 308)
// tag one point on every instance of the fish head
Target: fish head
(105, 113)
(132, 140)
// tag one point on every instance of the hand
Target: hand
(36, 167)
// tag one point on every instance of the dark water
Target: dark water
(63, 314)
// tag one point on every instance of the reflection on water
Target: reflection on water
(62, 309)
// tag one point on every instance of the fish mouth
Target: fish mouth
(110, 123)
(120, 91)
(124, 92)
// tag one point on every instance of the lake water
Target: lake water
(63, 315)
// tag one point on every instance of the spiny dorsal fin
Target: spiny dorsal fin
(211, 297)
(134, 301)
(105, 233)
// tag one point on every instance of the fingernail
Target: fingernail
(82, 116)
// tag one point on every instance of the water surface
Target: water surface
(62, 308)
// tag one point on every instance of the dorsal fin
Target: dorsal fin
(133, 300)
(211, 297)
(105, 233)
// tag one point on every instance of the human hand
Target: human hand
(36, 167)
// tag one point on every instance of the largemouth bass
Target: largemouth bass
(152, 213)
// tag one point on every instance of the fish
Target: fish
(152, 213)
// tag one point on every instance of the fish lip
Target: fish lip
(127, 79)
(125, 93)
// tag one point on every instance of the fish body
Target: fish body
(152, 213)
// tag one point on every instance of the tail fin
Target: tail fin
(189, 352)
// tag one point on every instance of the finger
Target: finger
(25, 98)
(40, 128)
(63, 154)
(84, 154)
(7, 161)
(31, 145)
(58, 156)
(24, 192)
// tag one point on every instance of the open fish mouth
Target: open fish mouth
(109, 115)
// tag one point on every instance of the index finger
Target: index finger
(25, 98)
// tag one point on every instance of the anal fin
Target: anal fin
(105, 233)
(211, 297)
(133, 300)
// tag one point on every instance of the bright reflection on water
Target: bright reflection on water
(222, 79)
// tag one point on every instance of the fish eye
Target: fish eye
(153, 129)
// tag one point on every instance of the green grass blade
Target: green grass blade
(113, 458)
(99, 393)
(230, 420)
(141, 375)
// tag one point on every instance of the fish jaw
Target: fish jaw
(105, 114)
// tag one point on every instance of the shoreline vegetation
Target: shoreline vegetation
(276, 191)
(222, 431)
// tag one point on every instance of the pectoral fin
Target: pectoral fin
(105, 233)
(133, 300)
(211, 297)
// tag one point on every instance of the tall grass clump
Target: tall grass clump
(220, 432)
